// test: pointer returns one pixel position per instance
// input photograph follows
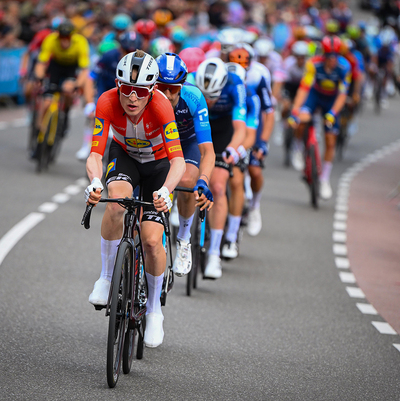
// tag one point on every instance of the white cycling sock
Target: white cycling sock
(255, 204)
(184, 227)
(108, 252)
(298, 144)
(154, 286)
(233, 228)
(326, 171)
(215, 241)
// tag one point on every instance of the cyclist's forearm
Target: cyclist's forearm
(339, 103)
(40, 70)
(94, 166)
(300, 98)
(207, 161)
(268, 125)
(239, 134)
(250, 140)
(175, 174)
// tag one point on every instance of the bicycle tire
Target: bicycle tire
(118, 315)
(142, 294)
(288, 133)
(33, 132)
(314, 182)
(56, 148)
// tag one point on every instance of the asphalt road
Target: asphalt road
(279, 324)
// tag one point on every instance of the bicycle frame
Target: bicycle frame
(311, 141)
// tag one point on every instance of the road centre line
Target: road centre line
(14, 235)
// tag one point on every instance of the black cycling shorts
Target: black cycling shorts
(150, 176)
(221, 132)
(58, 73)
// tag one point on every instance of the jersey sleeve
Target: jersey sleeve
(345, 82)
(265, 95)
(238, 93)
(83, 56)
(199, 111)
(164, 113)
(47, 48)
(253, 111)
(309, 75)
(101, 124)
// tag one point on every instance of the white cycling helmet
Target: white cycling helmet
(387, 36)
(211, 77)
(301, 48)
(228, 37)
(263, 46)
(237, 69)
(143, 63)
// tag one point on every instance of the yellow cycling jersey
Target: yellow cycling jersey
(76, 54)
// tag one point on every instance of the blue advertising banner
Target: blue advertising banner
(10, 61)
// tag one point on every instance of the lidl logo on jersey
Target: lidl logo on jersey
(137, 143)
(111, 166)
(176, 148)
(98, 126)
(171, 131)
(95, 143)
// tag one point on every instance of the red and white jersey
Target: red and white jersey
(154, 137)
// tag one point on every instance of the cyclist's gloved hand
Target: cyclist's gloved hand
(89, 109)
(163, 192)
(293, 120)
(96, 184)
(206, 191)
(232, 152)
(242, 152)
(264, 147)
(330, 118)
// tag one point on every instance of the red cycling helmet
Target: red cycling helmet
(146, 27)
(193, 57)
(331, 44)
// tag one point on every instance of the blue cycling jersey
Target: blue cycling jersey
(232, 100)
(253, 108)
(191, 115)
(104, 72)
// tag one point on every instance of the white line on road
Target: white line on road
(367, 309)
(48, 207)
(339, 236)
(384, 328)
(347, 277)
(11, 238)
(342, 263)
(339, 249)
(355, 292)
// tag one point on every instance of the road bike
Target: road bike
(126, 305)
(342, 138)
(51, 133)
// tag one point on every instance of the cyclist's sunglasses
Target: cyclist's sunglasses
(140, 91)
(212, 96)
(173, 88)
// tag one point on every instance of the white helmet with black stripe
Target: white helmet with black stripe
(211, 77)
(145, 65)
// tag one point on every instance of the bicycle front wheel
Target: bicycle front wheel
(117, 324)
(314, 183)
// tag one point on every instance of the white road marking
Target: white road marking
(355, 292)
(367, 309)
(342, 263)
(340, 216)
(384, 328)
(346, 277)
(339, 249)
(48, 207)
(61, 198)
(341, 207)
(11, 238)
(72, 189)
(397, 346)
(339, 236)
(339, 225)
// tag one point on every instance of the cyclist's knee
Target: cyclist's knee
(151, 241)
(218, 189)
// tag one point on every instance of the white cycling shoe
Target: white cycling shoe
(99, 295)
(154, 333)
(254, 223)
(183, 259)
(297, 159)
(230, 250)
(325, 190)
(213, 269)
(83, 153)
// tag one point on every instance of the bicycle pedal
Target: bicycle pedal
(99, 307)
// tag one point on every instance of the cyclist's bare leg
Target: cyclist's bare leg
(219, 211)
(186, 201)
(152, 233)
(257, 178)
(330, 143)
(68, 88)
(236, 200)
(44, 105)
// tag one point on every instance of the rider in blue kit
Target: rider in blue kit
(191, 115)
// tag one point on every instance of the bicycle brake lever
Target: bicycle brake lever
(86, 216)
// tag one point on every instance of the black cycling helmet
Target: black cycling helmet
(130, 41)
(65, 28)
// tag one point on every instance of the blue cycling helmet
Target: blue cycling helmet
(121, 22)
(172, 69)
(130, 41)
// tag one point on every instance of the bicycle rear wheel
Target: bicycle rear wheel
(43, 149)
(314, 178)
(288, 145)
(118, 313)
